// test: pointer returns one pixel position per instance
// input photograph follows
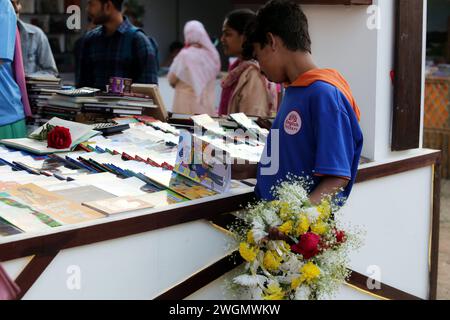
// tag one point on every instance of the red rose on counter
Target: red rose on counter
(308, 246)
(59, 138)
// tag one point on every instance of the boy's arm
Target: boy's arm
(329, 186)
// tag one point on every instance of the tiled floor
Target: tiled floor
(444, 244)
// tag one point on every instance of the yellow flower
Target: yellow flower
(250, 237)
(319, 228)
(310, 272)
(247, 252)
(274, 292)
(287, 227)
(275, 203)
(296, 283)
(272, 261)
(285, 211)
(324, 209)
(302, 226)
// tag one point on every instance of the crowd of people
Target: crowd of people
(115, 47)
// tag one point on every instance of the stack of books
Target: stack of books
(40, 89)
(95, 107)
(115, 106)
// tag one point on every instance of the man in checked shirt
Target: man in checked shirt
(115, 49)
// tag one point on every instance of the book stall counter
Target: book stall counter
(183, 250)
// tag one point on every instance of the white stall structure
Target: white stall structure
(182, 252)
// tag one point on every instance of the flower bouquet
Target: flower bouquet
(311, 262)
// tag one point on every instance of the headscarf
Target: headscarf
(196, 66)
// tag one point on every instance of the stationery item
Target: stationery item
(111, 128)
(59, 208)
(80, 92)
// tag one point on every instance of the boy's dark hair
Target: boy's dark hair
(240, 19)
(118, 4)
(284, 19)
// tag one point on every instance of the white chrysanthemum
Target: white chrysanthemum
(312, 214)
(250, 280)
(253, 267)
(258, 230)
(273, 282)
(292, 265)
(302, 293)
(271, 218)
(286, 279)
(256, 293)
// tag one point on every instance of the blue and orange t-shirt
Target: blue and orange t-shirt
(315, 134)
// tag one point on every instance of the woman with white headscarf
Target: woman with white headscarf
(194, 71)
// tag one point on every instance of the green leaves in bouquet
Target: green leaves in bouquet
(42, 136)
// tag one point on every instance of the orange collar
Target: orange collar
(332, 77)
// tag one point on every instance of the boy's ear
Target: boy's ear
(272, 41)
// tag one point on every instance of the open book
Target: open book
(79, 132)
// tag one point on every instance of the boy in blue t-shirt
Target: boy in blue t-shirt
(316, 133)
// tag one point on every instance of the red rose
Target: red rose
(308, 245)
(340, 236)
(59, 138)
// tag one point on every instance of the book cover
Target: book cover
(195, 160)
(7, 229)
(59, 208)
(119, 205)
(127, 204)
(4, 186)
(189, 188)
(85, 194)
(23, 216)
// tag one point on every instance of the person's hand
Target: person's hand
(275, 234)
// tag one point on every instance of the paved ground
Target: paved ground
(444, 244)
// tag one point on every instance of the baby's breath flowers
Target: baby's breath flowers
(312, 260)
